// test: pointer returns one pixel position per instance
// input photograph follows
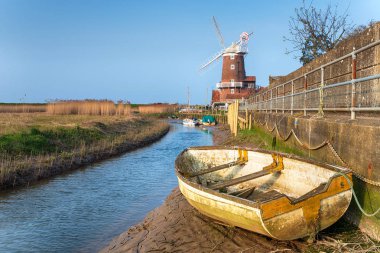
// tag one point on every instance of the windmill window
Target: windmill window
(232, 57)
(232, 66)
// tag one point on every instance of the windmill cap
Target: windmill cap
(233, 49)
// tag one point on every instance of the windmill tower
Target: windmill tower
(234, 83)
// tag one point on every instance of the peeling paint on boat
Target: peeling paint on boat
(309, 196)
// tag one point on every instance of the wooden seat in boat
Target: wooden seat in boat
(260, 196)
(245, 193)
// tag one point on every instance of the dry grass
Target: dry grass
(22, 108)
(158, 108)
(16, 122)
(116, 135)
(343, 237)
(88, 107)
(362, 244)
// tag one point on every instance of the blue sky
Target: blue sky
(142, 51)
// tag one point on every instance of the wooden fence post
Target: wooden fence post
(236, 116)
(246, 119)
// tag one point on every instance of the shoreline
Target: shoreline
(62, 164)
(176, 226)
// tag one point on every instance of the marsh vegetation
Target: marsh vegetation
(38, 145)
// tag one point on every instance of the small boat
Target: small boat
(208, 120)
(190, 122)
(273, 194)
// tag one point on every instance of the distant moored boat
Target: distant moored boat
(190, 122)
(208, 120)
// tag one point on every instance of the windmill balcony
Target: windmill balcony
(229, 85)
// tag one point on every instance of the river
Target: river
(83, 210)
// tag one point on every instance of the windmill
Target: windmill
(234, 83)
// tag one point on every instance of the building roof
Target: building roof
(215, 95)
(237, 96)
(234, 49)
(250, 79)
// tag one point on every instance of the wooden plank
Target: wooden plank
(239, 180)
(266, 196)
(216, 168)
(245, 193)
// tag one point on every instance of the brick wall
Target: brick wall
(238, 74)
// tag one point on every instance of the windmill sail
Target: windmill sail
(212, 59)
(218, 32)
(237, 46)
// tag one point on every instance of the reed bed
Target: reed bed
(158, 108)
(21, 122)
(88, 107)
(20, 168)
(22, 108)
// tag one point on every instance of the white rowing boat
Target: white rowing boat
(275, 195)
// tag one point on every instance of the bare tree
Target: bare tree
(315, 31)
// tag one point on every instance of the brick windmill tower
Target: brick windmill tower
(234, 85)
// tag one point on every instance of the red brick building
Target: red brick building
(234, 84)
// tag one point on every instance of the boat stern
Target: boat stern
(285, 219)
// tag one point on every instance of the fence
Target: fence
(299, 94)
(235, 121)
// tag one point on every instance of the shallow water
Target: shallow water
(83, 210)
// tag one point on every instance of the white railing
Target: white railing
(356, 94)
(229, 85)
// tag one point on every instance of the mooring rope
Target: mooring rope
(266, 125)
(368, 181)
(279, 135)
(355, 197)
(307, 146)
(261, 123)
(298, 140)
(324, 143)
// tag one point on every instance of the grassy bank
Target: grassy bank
(259, 138)
(36, 146)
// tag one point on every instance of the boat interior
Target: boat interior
(254, 176)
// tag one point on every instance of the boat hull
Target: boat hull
(281, 218)
(223, 210)
(189, 123)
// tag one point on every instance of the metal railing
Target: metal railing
(353, 95)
